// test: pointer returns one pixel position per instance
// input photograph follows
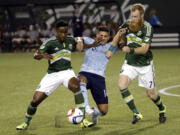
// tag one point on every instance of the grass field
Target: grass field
(20, 75)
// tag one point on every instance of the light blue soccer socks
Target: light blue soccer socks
(84, 92)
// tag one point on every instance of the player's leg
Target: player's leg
(73, 85)
(83, 84)
(152, 94)
(31, 110)
(99, 93)
(126, 76)
(83, 87)
(47, 85)
(147, 80)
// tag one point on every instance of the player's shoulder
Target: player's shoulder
(49, 40)
(147, 24)
(88, 40)
(69, 37)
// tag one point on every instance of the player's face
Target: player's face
(136, 21)
(62, 33)
(104, 36)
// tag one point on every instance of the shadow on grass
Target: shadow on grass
(24, 132)
(82, 131)
(131, 131)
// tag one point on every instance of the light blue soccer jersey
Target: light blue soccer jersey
(95, 60)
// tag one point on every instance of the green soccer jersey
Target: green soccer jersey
(135, 40)
(61, 52)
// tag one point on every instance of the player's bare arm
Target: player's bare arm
(116, 39)
(81, 45)
(39, 55)
(96, 43)
(139, 50)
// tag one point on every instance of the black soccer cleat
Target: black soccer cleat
(136, 118)
(162, 115)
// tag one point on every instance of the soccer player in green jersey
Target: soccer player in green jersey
(138, 61)
(58, 52)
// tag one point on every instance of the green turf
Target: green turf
(20, 75)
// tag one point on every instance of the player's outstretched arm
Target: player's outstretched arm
(39, 55)
(96, 43)
(115, 41)
(81, 45)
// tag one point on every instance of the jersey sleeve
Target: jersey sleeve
(147, 38)
(88, 40)
(124, 25)
(44, 47)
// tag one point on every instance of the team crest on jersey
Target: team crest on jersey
(70, 46)
(139, 33)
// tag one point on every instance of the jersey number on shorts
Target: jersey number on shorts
(150, 83)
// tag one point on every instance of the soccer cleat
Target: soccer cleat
(89, 110)
(136, 118)
(162, 115)
(22, 126)
(85, 123)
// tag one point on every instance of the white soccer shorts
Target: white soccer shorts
(50, 82)
(146, 75)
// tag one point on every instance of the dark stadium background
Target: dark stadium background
(27, 12)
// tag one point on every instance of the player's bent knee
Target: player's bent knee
(103, 109)
(83, 79)
(38, 98)
(122, 86)
(74, 85)
(151, 94)
(104, 112)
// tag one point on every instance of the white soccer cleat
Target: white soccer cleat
(89, 110)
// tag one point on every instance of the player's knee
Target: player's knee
(104, 112)
(34, 103)
(122, 86)
(83, 79)
(74, 84)
(151, 94)
(38, 98)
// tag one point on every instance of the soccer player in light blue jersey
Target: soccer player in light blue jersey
(92, 73)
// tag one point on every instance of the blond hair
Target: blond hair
(139, 7)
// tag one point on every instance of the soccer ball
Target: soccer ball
(75, 116)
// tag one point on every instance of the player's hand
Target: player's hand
(37, 55)
(123, 31)
(47, 56)
(97, 42)
(108, 54)
(126, 49)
